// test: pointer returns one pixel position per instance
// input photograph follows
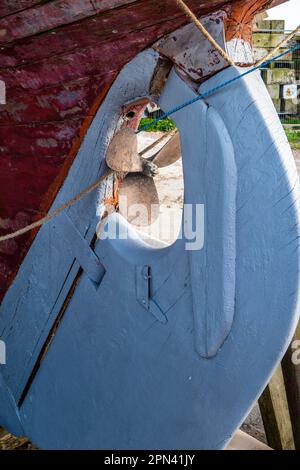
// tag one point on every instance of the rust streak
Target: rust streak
(239, 22)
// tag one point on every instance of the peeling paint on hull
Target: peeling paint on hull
(58, 60)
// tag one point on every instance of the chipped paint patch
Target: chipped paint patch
(68, 97)
(47, 143)
(191, 51)
(2, 92)
(240, 51)
(69, 112)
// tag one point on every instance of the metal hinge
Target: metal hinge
(143, 291)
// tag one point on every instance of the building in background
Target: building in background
(282, 77)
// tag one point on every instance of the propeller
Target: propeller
(122, 153)
(138, 196)
(169, 154)
(138, 199)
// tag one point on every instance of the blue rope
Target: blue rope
(216, 89)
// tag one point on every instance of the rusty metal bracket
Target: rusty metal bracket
(192, 53)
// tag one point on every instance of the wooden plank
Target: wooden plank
(90, 32)
(61, 12)
(9, 442)
(242, 441)
(75, 65)
(44, 142)
(275, 414)
(189, 50)
(38, 192)
(52, 15)
(291, 374)
(57, 103)
(8, 7)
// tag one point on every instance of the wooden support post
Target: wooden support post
(291, 374)
(275, 414)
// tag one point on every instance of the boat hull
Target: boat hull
(113, 343)
(58, 60)
(88, 348)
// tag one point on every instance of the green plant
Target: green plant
(290, 121)
(165, 125)
(293, 138)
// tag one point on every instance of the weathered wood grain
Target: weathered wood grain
(36, 179)
(8, 7)
(52, 15)
(89, 32)
(192, 52)
(275, 414)
(291, 374)
(61, 12)
(56, 103)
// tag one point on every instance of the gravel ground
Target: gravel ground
(169, 183)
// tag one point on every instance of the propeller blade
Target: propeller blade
(138, 200)
(170, 153)
(122, 153)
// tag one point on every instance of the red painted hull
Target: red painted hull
(58, 60)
